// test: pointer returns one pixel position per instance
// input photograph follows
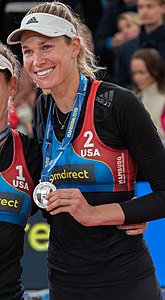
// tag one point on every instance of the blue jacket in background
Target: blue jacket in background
(155, 39)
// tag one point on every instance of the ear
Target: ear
(75, 46)
(13, 86)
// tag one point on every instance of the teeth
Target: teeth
(42, 73)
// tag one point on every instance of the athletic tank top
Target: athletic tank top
(90, 165)
(16, 187)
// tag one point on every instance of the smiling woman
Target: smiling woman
(92, 159)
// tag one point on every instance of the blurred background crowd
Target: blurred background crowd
(128, 38)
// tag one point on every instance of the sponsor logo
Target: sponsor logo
(73, 31)
(68, 174)
(72, 122)
(105, 98)
(121, 169)
(11, 202)
(32, 20)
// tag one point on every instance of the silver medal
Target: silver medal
(41, 191)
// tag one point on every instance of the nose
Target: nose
(38, 59)
(143, 10)
(136, 76)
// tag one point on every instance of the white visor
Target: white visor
(5, 64)
(46, 24)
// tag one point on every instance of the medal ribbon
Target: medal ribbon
(4, 133)
(50, 158)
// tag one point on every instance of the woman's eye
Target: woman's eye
(46, 47)
(27, 52)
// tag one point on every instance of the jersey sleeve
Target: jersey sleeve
(143, 142)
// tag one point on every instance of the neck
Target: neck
(151, 28)
(65, 94)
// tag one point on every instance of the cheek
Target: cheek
(146, 78)
(4, 96)
(138, 78)
(67, 64)
(27, 62)
(136, 29)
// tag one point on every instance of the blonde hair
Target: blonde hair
(86, 60)
(6, 52)
(131, 17)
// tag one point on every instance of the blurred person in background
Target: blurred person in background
(107, 28)
(128, 25)
(152, 34)
(148, 76)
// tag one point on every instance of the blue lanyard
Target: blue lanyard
(50, 158)
(4, 133)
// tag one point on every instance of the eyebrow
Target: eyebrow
(41, 43)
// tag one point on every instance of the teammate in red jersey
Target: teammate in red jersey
(20, 169)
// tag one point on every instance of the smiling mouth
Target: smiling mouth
(44, 72)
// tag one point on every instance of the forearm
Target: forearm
(108, 214)
(142, 209)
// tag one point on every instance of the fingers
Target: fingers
(133, 226)
(61, 200)
(134, 229)
(57, 203)
(63, 193)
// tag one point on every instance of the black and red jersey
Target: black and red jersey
(91, 165)
(114, 133)
(20, 170)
